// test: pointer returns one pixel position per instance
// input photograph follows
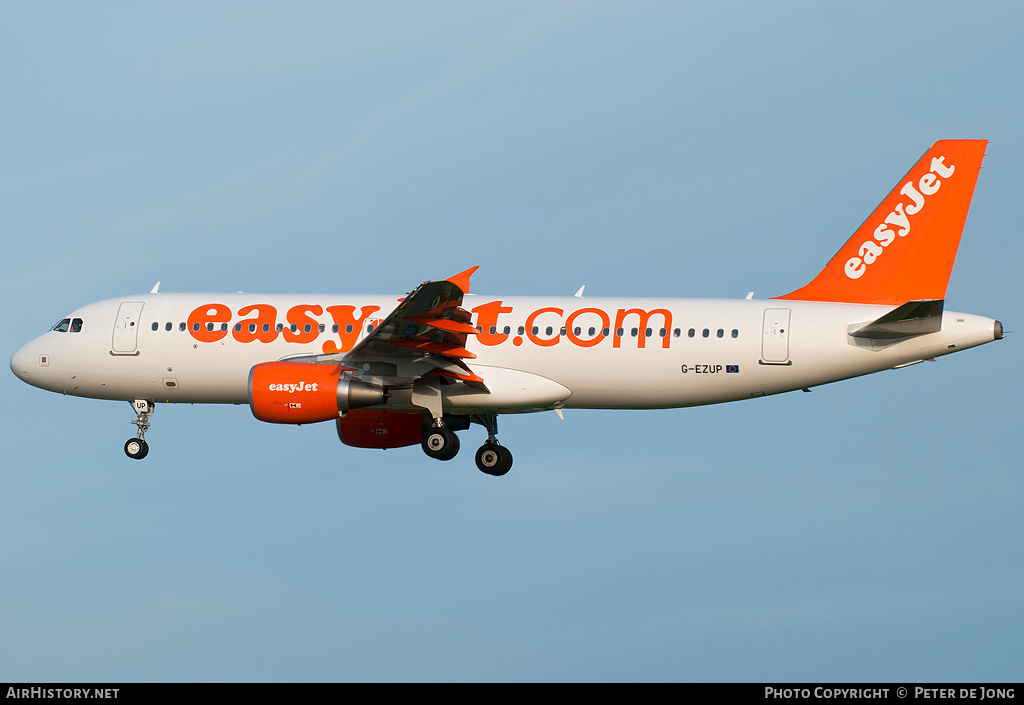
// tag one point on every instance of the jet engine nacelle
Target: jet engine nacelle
(373, 428)
(302, 392)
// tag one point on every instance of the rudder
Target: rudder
(905, 250)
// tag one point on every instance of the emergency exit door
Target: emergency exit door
(775, 337)
(126, 328)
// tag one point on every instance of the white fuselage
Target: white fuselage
(533, 352)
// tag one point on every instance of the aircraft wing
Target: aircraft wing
(426, 334)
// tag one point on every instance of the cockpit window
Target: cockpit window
(73, 325)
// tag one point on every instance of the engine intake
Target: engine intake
(301, 392)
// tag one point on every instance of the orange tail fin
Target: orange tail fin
(905, 250)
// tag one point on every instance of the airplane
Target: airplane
(415, 369)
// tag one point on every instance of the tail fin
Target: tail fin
(905, 250)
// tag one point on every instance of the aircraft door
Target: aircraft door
(775, 338)
(126, 328)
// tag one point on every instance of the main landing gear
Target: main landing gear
(137, 448)
(440, 442)
(492, 458)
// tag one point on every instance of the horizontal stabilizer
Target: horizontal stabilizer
(910, 319)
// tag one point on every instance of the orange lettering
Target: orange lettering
(644, 317)
(205, 322)
(487, 317)
(546, 343)
(571, 335)
(304, 328)
(348, 326)
(262, 328)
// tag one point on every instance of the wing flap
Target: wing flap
(448, 324)
(441, 348)
(425, 335)
(428, 329)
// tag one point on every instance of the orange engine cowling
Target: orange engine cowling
(302, 392)
(372, 428)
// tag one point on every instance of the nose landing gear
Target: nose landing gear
(137, 448)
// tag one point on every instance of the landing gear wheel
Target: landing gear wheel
(440, 443)
(136, 448)
(494, 459)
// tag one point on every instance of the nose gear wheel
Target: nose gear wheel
(137, 448)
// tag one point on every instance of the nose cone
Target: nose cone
(25, 361)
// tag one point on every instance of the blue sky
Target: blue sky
(867, 531)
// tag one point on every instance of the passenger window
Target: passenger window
(721, 333)
(181, 326)
(663, 333)
(591, 332)
(633, 332)
(706, 333)
(522, 330)
(690, 333)
(606, 332)
(348, 328)
(507, 330)
(168, 326)
(735, 333)
(238, 328)
(156, 326)
(493, 330)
